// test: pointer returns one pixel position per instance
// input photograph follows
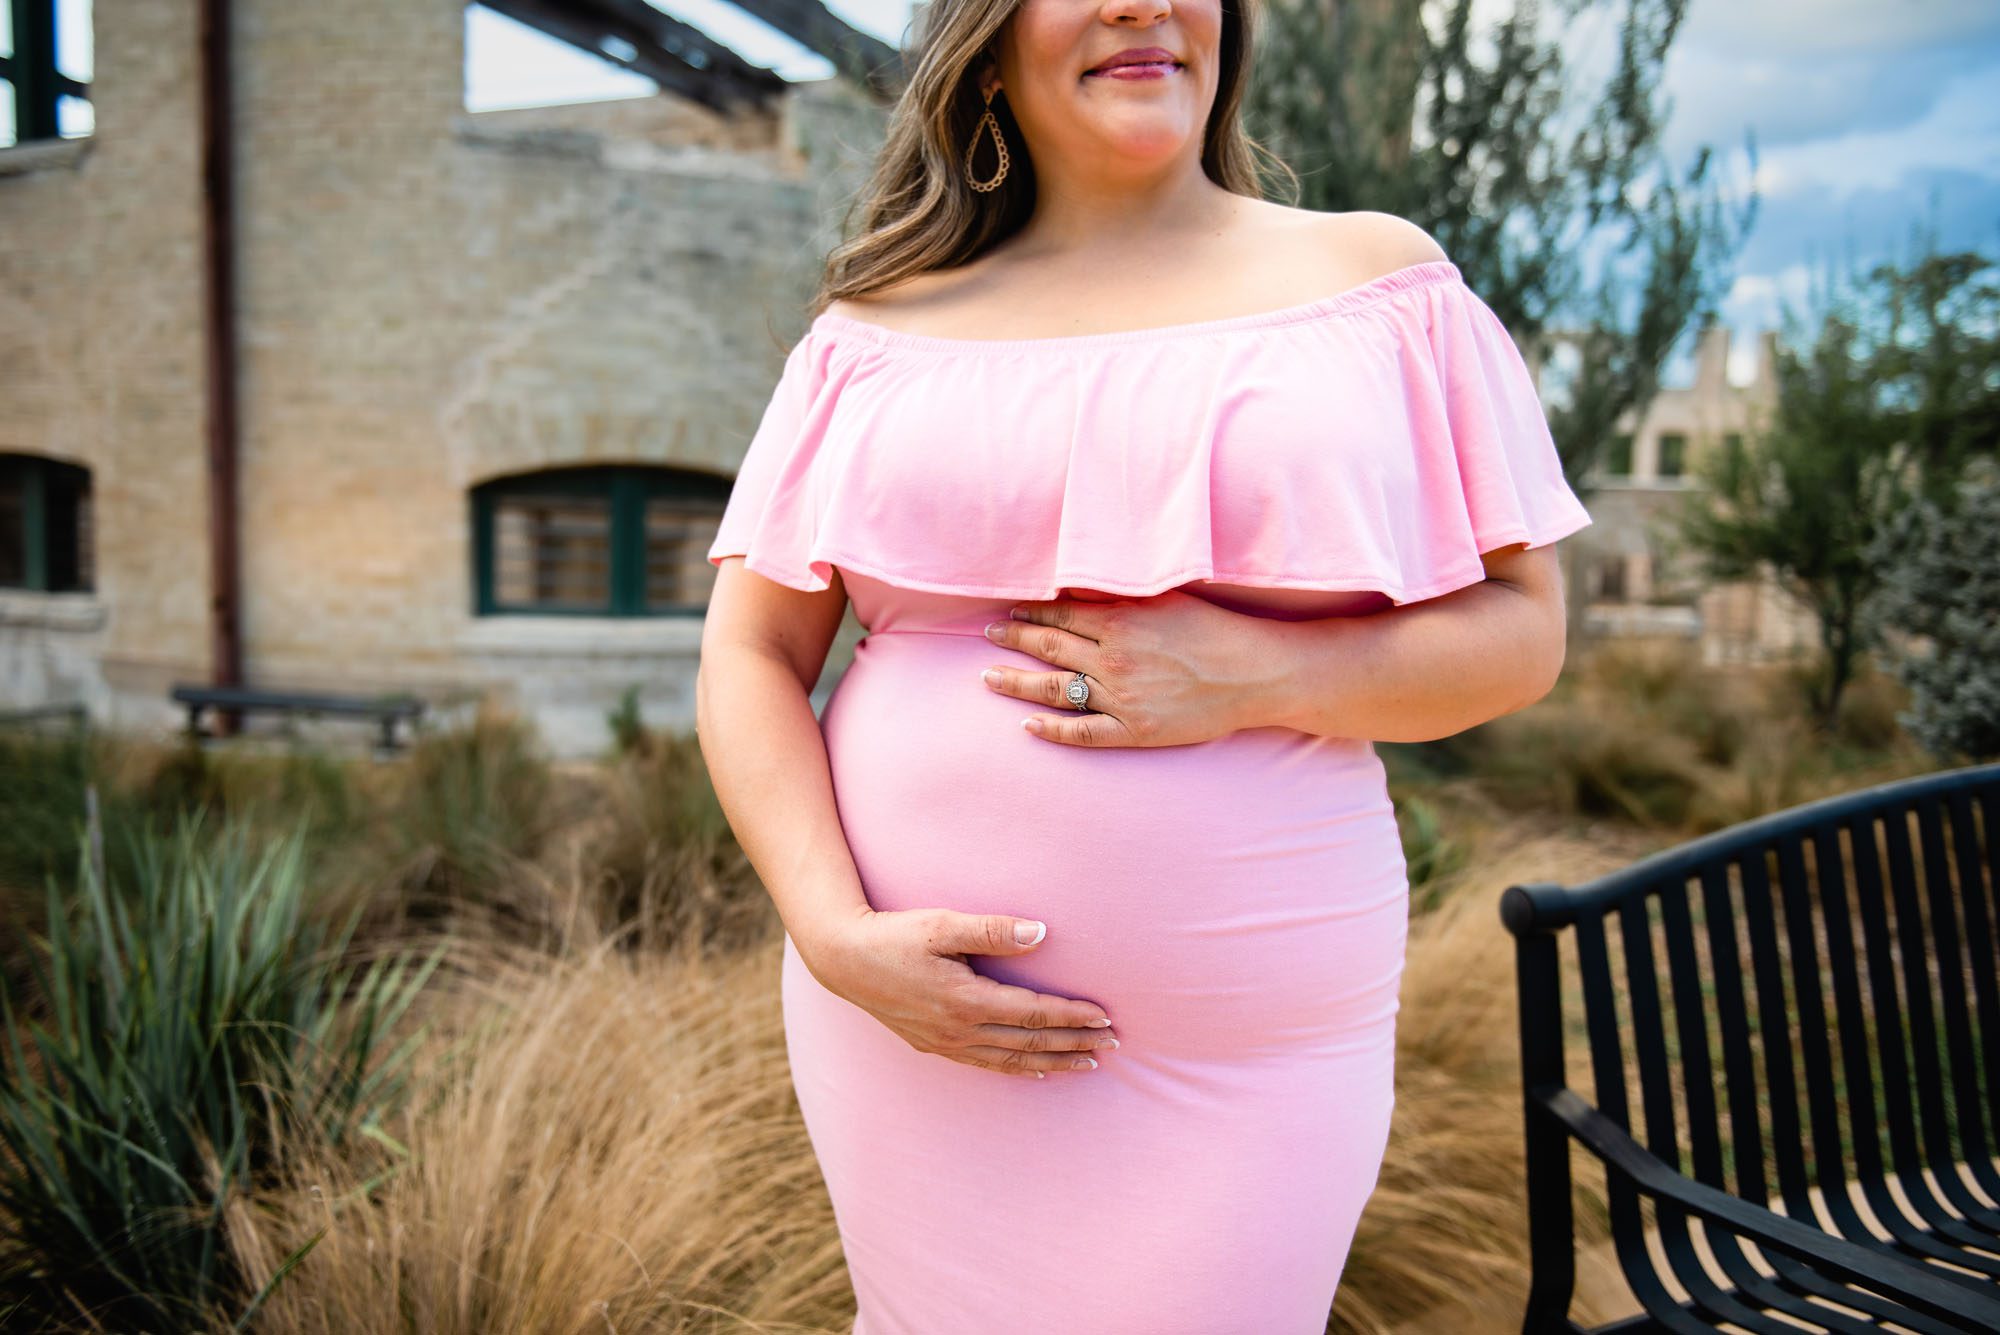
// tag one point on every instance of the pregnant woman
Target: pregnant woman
(1161, 503)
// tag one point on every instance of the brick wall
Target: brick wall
(428, 298)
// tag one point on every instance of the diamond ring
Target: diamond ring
(1078, 692)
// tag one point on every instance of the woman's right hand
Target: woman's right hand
(908, 969)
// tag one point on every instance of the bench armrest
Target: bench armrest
(1908, 1282)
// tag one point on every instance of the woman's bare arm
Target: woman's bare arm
(763, 647)
(1422, 671)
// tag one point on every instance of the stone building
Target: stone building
(477, 383)
(1633, 576)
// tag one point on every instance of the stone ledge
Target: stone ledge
(79, 612)
(1627, 482)
(578, 637)
(621, 153)
(44, 154)
(1643, 619)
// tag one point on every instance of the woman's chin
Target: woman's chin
(1141, 147)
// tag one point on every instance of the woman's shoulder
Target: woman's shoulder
(1359, 246)
(913, 298)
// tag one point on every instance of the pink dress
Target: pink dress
(1239, 906)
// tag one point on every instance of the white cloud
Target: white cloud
(1802, 30)
(1961, 131)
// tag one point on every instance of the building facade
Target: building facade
(489, 373)
(492, 372)
(1635, 577)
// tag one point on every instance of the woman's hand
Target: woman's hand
(1163, 671)
(907, 968)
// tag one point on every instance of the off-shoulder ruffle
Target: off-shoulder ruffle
(1380, 439)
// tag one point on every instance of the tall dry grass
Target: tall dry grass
(606, 1139)
(1442, 1246)
(1647, 737)
(609, 1144)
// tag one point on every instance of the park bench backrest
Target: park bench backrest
(1803, 1001)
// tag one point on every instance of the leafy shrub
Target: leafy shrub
(43, 777)
(1585, 759)
(472, 801)
(1941, 580)
(629, 734)
(661, 855)
(193, 1013)
(1430, 855)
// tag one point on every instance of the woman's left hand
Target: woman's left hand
(1163, 671)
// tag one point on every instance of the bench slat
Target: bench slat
(1981, 950)
(1826, 979)
(1691, 1026)
(1933, 1149)
(1930, 1291)
(1948, 883)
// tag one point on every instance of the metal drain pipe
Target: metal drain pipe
(218, 213)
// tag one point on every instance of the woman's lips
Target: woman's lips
(1155, 70)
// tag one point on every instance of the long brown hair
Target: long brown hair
(917, 211)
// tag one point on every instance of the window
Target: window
(1608, 584)
(530, 53)
(1673, 454)
(45, 529)
(1732, 441)
(45, 70)
(605, 540)
(1618, 459)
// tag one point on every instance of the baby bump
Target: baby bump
(1244, 891)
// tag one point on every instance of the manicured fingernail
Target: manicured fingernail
(1031, 724)
(1028, 933)
(1105, 1043)
(1105, 1023)
(993, 629)
(1084, 1064)
(991, 676)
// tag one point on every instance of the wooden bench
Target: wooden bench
(1775, 1122)
(386, 710)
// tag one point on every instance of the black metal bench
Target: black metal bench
(1872, 1090)
(387, 710)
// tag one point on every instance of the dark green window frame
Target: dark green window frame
(29, 75)
(626, 489)
(1618, 459)
(1673, 454)
(45, 525)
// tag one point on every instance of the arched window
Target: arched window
(45, 528)
(600, 540)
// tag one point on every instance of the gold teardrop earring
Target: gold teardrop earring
(999, 143)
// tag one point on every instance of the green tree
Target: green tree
(1493, 147)
(1941, 580)
(1891, 398)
